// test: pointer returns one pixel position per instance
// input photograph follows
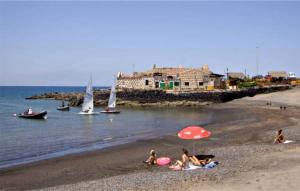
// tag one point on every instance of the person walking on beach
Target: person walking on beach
(279, 138)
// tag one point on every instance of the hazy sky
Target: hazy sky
(62, 43)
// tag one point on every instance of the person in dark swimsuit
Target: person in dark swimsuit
(279, 138)
(152, 158)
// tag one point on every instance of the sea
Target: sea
(27, 140)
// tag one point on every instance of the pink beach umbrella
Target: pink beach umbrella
(193, 132)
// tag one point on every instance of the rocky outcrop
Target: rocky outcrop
(159, 98)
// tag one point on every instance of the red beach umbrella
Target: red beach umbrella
(193, 132)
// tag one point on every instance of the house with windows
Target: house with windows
(178, 79)
(277, 75)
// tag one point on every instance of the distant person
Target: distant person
(63, 104)
(183, 163)
(29, 111)
(152, 158)
(279, 138)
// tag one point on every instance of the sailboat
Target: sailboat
(111, 108)
(88, 102)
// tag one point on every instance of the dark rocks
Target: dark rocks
(159, 97)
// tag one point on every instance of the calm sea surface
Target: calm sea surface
(27, 140)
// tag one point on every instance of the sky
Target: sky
(63, 43)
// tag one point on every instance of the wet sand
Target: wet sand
(242, 136)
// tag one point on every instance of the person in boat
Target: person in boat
(184, 162)
(86, 111)
(29, 111)
(62, 104)
(152, 158)
(279, 138)
(107, 109)
(195, 161)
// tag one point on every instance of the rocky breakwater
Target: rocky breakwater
(160, 98)
(75, 98)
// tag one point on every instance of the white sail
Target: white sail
(112, 97)
(88, 102)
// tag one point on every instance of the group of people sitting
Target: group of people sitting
(186, 158)
(179, 164)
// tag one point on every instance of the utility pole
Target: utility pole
(133, 68)
(257, 61)
(227, 73)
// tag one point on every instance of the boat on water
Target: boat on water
(63, 107)
(29, 114)
(88, 101)
(111, 108)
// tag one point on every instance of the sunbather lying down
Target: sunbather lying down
(152, 158)
(197, 162)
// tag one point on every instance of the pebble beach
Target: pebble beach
(242, 141)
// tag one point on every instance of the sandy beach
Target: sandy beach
(242, 141)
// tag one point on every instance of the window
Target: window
(146, 82)
(156, 84)
(176, 84)
(186, 83)
(200, 83)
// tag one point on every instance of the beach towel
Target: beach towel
(212, 164)
(288, 141)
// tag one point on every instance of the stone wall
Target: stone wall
(136, 83)
(152, 96)
(159, 97)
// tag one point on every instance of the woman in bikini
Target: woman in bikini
(279, 138)
(198, 162)
(183, 163)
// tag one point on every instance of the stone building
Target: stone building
(171, 79)
(236, 75)
(278, 74)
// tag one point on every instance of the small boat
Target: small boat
(33, 115)
(63, 107)
(111, 108)
(111, 111)
(88, 102)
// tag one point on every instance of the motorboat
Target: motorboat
(63, 107)
(33, 115)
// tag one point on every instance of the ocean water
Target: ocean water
(28, 140)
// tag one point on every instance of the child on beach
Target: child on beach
(152, 158)
(183, 163)
(279, 138)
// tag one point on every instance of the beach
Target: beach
(242, 141)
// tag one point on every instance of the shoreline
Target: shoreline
(241, 128)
